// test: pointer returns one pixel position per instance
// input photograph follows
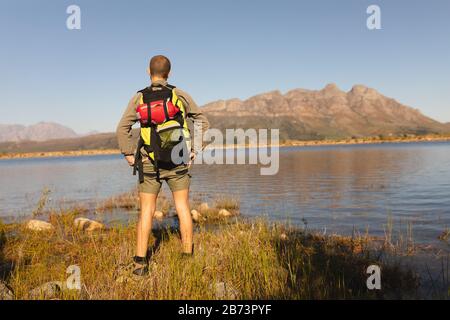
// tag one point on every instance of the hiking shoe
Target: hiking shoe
(188, 255)
(133, 271)
(139, 266)
(140, 270)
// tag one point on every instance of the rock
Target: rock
(85, 224)
(38, 225)
(225, 291)
(195, 215)
(5, 292)
(224, 213)
(49, 290)
(159, 215)
(203, 207)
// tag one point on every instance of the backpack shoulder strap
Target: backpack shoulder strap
(144, 90)
(169, 86)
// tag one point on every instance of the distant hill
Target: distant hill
(299, 114)
(41, 131)
(327, 113)
(97, 141)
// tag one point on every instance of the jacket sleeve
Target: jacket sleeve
(123, 131)
(201, 123)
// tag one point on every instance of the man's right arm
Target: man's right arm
(123, 132)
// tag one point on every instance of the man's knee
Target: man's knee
(148, 204)
(182, 205)
(148, 210)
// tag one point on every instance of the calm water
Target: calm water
(337, 188)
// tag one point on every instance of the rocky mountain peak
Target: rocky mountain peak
(329, 112)
(331, 87)
(361, 90)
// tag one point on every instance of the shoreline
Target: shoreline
(289, 143)
(55, 154)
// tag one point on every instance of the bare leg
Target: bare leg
(144, 227)
(181, 199)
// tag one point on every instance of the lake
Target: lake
(328, 188)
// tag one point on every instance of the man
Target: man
(160, 108)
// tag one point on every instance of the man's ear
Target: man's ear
(148, 71)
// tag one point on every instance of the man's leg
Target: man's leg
(144, 227)
(181, 199)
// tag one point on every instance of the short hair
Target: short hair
(160, 66)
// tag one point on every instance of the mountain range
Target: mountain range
(41, 131)
(327, 113)
(299, 114)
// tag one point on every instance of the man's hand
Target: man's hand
(130, 159)
(192, 157)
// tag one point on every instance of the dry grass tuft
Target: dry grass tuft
(130, 201)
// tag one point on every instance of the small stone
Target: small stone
(220, 290)
(5, 292)
(284, 236)
(225, 291)
(224, 213)
(49, 290)
(203, 207)
(195, 215)
(88, 225)
(39, 225)
(159, 215)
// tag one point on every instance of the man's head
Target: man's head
(159, 67)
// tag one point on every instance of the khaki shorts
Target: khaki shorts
(178, 178)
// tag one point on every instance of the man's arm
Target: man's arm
(201, 123)
(123, 132)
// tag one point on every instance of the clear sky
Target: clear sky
(219, 50)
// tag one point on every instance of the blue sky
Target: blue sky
(219, 50)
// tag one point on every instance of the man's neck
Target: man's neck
(158, 79)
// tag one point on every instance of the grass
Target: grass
(227, 203)
(255, 259)
(130, 201)
(39, 210)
